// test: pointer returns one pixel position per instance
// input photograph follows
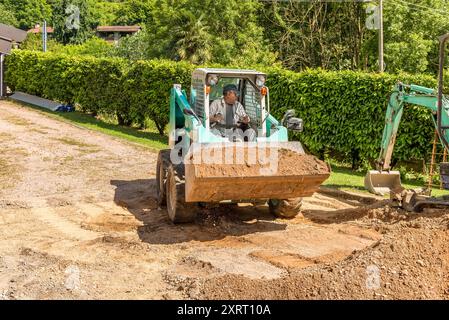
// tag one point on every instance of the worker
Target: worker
(229, 119)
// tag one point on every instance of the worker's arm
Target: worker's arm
(214, 112)
(240, 111)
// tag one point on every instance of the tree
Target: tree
(315, 33)
(412, 31)
(208, 31)
(193, 43)
(7, 16)
(27, 13)
(133, 47)
(135, 12)
(106, 12)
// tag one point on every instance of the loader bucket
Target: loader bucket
(382, 182)
(250, 171)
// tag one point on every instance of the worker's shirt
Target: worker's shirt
(232, 114)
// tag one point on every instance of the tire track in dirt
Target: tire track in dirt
(46, 214)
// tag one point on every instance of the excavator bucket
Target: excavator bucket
(248, 171)
(382, 182)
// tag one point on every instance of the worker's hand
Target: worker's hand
(217, 117)
(245, 120)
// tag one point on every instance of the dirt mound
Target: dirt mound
(407, 263)
(244, 162)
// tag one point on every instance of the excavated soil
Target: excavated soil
(247, 162)
(79, 220)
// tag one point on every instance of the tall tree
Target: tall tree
(221, 31)
(412, 31)
(136, 12)
(7, 15)
(27, 13)
(315, 33)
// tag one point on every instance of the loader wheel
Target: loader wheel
(287, 208)
(163, 160)
(178, 210)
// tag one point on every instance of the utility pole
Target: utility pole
(44, 36)
(2, 86)
(381, 37)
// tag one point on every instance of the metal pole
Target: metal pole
(44, 36)
(381, 37)
(1, 75)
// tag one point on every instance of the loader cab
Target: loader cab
(207, 86)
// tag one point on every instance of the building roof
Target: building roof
(39, 30)
(12, 33)
(231, 72)
(118, 28)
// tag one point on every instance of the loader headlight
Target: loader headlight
(212, 79)
(260, 81)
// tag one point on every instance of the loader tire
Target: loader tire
(287, 208)
(163, 161)
(178, 210)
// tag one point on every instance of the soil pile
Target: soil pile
(249, 161)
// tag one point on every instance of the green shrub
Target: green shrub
(343, 111)
(148, 84)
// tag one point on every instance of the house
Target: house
(38, 29)
(113, 34)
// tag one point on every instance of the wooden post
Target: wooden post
(444, 160)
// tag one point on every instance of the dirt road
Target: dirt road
(79, 219)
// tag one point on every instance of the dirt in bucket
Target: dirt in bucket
(253, 161)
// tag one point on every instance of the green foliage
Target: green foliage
(7, 15)
(310, 34)
(411, 36)
(148, 84)
(133, 12)
(93, 47)
(343, 111)
(133, 47)
(34, 42)
(108, 86)
(208, 31)
(27, 13)
(106, 12)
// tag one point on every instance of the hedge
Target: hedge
(343, 111)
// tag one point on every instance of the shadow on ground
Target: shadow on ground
(139, 198)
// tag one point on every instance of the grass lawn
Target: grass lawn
(342, 178)
(149, 137)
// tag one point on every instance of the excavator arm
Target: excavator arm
(402, 94)
(382, 180)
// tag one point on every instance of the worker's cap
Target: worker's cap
(230, 87)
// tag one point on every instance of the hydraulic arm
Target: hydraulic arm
(402, 94)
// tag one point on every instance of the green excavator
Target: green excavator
(383, 180)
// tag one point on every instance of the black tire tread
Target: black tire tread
(185, 211)
(163, 159)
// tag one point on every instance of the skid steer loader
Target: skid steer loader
(385, 181)
(202, 167)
